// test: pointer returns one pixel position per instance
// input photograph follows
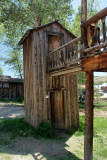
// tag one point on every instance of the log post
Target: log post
(83, 29)
(88, 139)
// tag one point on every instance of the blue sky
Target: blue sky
(4, 49)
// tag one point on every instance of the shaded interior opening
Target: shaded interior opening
(54, 42)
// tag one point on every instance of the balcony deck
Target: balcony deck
(80, 55)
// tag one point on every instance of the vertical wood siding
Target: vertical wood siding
(37, 84)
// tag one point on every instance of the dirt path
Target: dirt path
(29, 148)
(8, 110)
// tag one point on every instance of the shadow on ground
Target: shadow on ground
(27, 148)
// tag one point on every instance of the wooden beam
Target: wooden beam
(83, 11)
(88, 138)
(96, 17)
(68, 71)
(97, 47)
(94, 63)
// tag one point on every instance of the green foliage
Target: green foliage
(45, 130)
(93, 7)
(17, 16)
(98, 83)
(1, 71)
(81, 78)
(97, 93)
(15, 61)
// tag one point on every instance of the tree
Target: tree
(1, 71)
(92, 8)
(81, 78)
(19, 15)
(15, 61)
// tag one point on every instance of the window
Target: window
(5, 85)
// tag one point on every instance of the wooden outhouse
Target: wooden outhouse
(47, 97)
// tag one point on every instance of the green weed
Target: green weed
(46, 130)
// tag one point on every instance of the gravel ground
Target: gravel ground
(8, 110)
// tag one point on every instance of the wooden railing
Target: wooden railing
(65, 56)
(96, 33)
(93, 41)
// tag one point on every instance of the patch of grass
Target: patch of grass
(100, 105)
(45, 130)
(100, 137)
(12, 101)
(97, 105)
(79, 131)
(11, 128)
(17, 127)
(6, 157)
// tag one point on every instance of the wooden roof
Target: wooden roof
(10, 79)
(42, 27)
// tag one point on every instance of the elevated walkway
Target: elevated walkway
(88, 52)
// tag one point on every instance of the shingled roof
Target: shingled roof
(10, 79)
(41, 27)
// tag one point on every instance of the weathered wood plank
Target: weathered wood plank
(69, 70)
(94, 63)
(96, 47)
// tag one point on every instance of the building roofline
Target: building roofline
(41, 27)
(10, 79)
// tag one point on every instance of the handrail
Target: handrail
(95, 18)
(64, 56)
(67, 44)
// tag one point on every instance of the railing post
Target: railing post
(83, 29)
(104, 29)
(88, 139)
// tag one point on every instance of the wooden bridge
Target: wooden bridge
(87, 53)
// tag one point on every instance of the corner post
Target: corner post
(88, 139)
(83, 29)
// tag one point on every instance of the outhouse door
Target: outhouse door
(57, 109)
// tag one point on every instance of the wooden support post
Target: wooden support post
(83, 29)
(104, 30)
(88, 139)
